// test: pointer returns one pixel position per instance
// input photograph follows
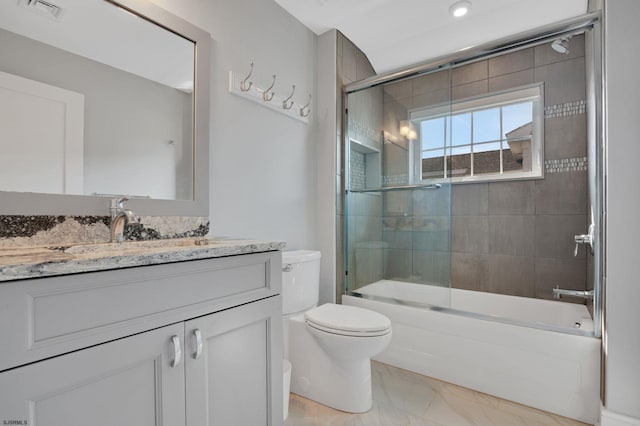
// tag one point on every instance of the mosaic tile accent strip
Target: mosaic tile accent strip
(30, 231)
(564, 165)
(357, 170)
(399, 179)
(363, 131)
(566, 109)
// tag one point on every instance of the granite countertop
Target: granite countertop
(33, 262)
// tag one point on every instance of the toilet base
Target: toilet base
(338, 383)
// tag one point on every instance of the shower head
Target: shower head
(561, 45)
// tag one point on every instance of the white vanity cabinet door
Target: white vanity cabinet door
(130, 381)
(236, 377)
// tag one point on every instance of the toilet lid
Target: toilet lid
(347, 320)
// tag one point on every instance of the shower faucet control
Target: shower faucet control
(584, 239)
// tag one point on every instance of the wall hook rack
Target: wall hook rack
(286, 104)
(266, 96)
(307, 108)
(241, 85)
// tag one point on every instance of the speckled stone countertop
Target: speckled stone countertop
(33, 262)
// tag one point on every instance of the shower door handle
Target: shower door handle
(584, 239)
(559, 292)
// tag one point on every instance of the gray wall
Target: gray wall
(622, 370)
(129, 120)
(262, 164)
(512, 237)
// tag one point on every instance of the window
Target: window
(493, 137)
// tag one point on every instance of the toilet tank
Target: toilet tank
(300, 280)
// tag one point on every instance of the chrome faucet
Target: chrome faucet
(119, 218)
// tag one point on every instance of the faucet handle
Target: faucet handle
(118, 202)
(584, 239)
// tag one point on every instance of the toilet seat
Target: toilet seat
(347, 321)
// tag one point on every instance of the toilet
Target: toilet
(329, 346)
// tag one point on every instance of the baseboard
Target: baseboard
(609, 418)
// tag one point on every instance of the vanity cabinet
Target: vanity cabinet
(126, 382)
(207, 349)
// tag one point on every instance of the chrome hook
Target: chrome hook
(302, 114)
(243, 83)
(265, 94)
(285, 103)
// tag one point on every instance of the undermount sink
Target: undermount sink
(138, 246)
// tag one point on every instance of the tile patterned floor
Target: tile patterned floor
(401, 398)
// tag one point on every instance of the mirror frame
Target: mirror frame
(31, 203)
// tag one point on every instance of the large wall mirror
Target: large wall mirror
(102, 98)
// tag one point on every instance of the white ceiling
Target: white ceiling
(398, 33)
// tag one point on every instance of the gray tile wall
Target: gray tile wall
(520, 233)
(507, 237)
(416, 231)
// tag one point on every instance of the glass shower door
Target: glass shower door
(398, 201)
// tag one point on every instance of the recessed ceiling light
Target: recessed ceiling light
(460, 8)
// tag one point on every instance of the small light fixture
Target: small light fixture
(405, 127)
(460, 8)
(407, 130)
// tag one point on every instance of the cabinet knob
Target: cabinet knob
(198, 336)
(177, 351)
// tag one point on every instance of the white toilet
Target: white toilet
(329, 346)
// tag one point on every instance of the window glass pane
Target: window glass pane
(461, 129)
(486, 125)
(486, 158)
(433, 153)
(433, 164)
(514, 161)
(517, 123)
(432, 133)
(459, 161)
(486, 147)
(517, 119)
(459, 150)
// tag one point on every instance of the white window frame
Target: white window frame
(532, 92)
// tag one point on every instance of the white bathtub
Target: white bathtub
(480, 342)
